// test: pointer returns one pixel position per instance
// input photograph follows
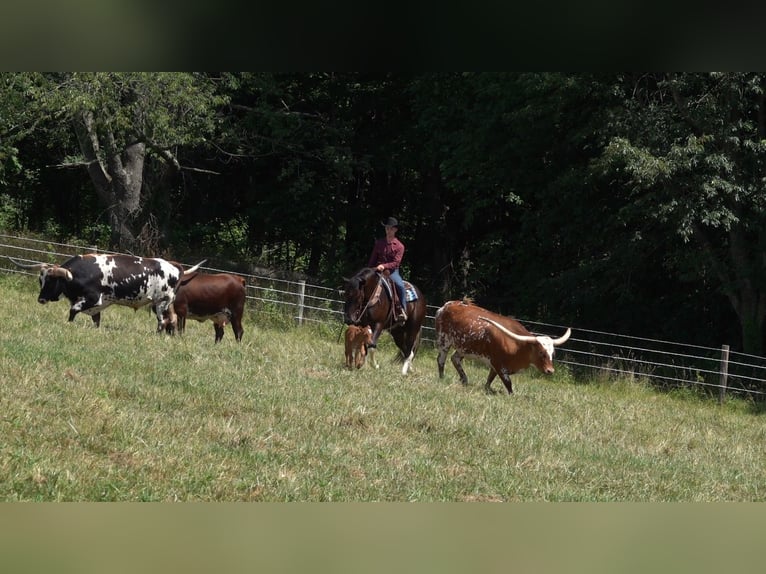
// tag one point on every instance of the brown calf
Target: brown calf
(357, 339)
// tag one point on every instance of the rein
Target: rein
(362, 312)
(367, 303)
(389, 289)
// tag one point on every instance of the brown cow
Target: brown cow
(219, 297)
(357, 339)
(501, 342)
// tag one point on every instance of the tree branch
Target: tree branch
(166, 155)
(89, 145)
(683, 108)
(200, 170)
(170, 158)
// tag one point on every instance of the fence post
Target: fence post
(301, 297)
(724, 373)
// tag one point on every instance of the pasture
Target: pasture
(122, 413)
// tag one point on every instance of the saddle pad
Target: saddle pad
(409, 292)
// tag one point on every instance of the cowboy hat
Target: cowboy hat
(390, 222)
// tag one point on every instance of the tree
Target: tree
(121, 119)
(288, 141)
(690, 151)
(11, 124)
(507, 150)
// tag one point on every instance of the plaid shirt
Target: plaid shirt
(388, 253)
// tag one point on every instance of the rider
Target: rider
(387, 253)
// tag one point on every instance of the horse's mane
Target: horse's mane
(364, 274)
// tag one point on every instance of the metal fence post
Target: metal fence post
(301, 297)
(724, 373)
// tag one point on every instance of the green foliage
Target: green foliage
(229, 239)
(120, 120)
(690, 150)
(12, 214)
(94, 235)
(51, 228)
(163, 109)
(16, 117)
(9, 162)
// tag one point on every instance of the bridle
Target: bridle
(364, 309)
(368, 299)
(381, 280)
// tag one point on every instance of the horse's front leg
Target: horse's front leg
(373, 346)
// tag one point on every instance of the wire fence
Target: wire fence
(588, 353)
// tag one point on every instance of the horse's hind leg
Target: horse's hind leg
(406, 348)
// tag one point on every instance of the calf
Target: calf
(501, 342)
(357, 339)
(219, 297)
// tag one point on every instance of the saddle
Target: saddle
(378, 291)
(393, 294)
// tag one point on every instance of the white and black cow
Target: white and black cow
(93, 282)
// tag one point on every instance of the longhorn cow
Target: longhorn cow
(219, 297)
(93, 282)
(501, 342)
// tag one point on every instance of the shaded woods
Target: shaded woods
(630, 202)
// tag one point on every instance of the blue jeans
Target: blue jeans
(397, 279)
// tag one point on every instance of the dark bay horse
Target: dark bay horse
(364, 307)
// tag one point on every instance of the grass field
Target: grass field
(121, 413)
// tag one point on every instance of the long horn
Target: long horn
(521, 338)
(35, 266)
(563, 339)
(60, 272)
(197, 266)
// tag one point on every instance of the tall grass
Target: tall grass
(121, 413)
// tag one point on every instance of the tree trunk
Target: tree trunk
(117, 176)
(749, 300)
(315, 253)
(359, 237)
(751, 320)
(436, 239)
(741, 286)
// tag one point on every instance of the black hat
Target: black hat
(390, 222)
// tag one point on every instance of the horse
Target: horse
(369, 302)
